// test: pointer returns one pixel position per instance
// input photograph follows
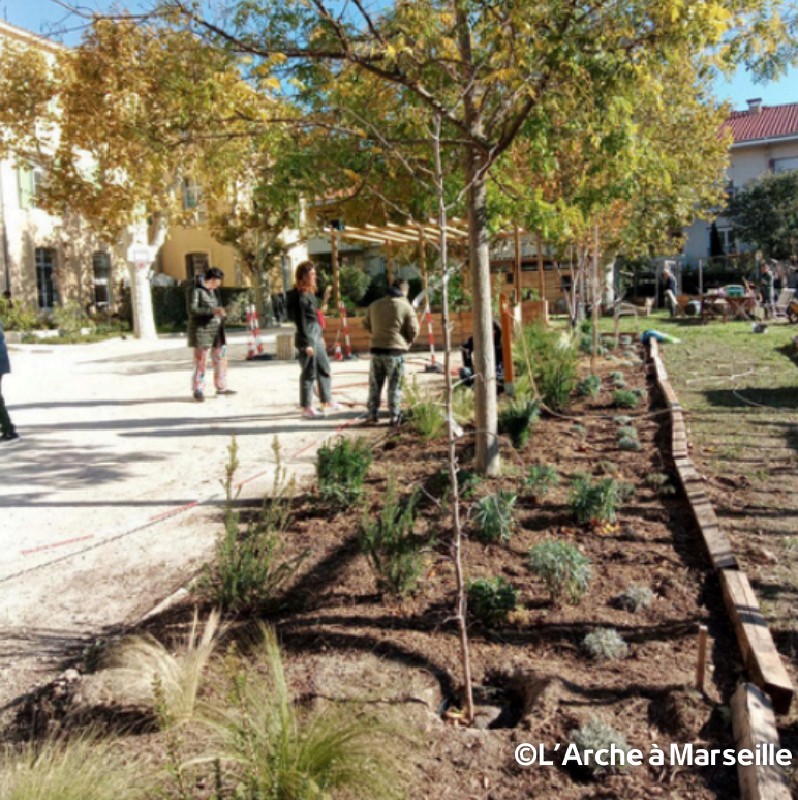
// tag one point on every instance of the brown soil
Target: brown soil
(343, 641)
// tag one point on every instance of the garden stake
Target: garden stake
(702, 657)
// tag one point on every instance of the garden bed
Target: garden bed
(344, 641)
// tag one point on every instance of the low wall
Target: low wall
(461, 321)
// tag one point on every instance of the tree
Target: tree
(486, 69)
(765, 214)
(121, 123)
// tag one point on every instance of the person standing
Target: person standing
(768, 290)
(393, 326)
(669, 290)
(313, 362)
(206, 333)
(9, 432)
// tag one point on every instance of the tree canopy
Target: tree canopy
(765, 214)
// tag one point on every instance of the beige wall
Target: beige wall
(180, 242)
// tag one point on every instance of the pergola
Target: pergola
(393, 235)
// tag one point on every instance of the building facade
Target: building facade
(765, 140)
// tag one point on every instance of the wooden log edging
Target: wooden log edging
(761, 659)
(754, 724)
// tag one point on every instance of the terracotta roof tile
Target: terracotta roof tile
(770, 122)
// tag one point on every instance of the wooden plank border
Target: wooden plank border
(762, 660)
(754, 724)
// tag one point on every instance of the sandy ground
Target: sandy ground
(111, 498)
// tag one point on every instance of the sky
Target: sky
(48, 16)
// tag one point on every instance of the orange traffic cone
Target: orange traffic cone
(337, 354)
(250, 347)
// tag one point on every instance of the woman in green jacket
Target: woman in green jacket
(206, 333)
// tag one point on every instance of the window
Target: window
(784, 164)
(45, 285)
(193, 199)
(101, 268)
(30, 179)
(196, 264)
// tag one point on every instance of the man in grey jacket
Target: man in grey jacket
(393, 326)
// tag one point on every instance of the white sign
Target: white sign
(140, 253)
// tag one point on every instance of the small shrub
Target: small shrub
(490, 600)
(628, 431)
(494, 517)
(634, 598)
(626, 491)
(558, 378)
(578, 430)
(249, 569)
(629, 443)
(622, 398)
(17, 316)
(341, 469)
(589, 387)
(623, 420)
(605, 644)
(70, 318)
(563, 568)
(594, 503)
(660, 483)
(597, 735)
(540, 479)
(390, 545)
(606, 468)
(515, 420)
(617, 379)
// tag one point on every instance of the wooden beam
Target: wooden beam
(389, 263)
(761, 658)
(335, 269)
(754, 724)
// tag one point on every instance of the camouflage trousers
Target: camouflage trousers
(391, 368)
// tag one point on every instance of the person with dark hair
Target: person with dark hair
(466, 374)
(669, 290)
(206, 333)
(7, 430)
(315, 366)
(768, 291)
(393, 327)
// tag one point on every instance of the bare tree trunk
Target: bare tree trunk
(487, 440)
(461, 603)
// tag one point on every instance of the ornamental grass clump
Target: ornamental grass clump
(516, 419)
(490, 600)
(605, 644)
(494, 517)
(389, 542)
(594, 503)
(172, 678)
(272, 747)
(82, 767)
(596, 735)
(341, 468)
(564, 569)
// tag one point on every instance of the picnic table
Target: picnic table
(726, 307)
